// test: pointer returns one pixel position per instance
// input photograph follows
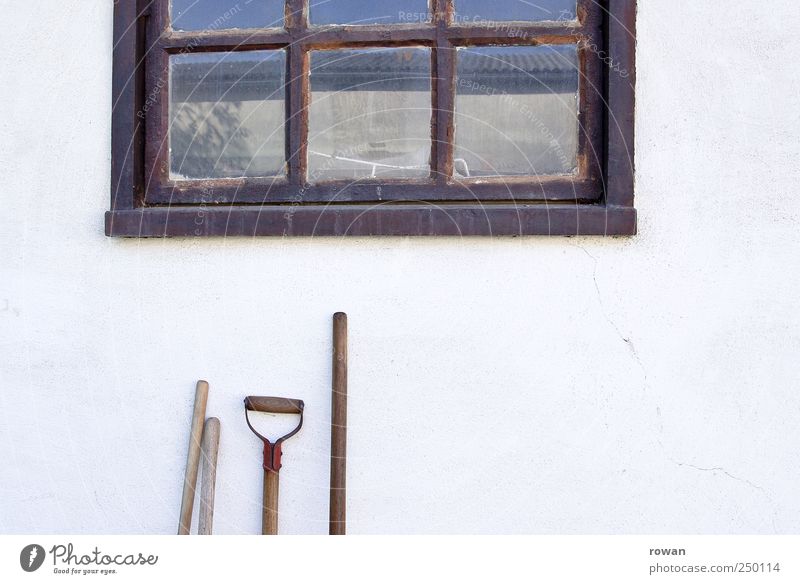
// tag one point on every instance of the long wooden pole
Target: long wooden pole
(338, 504)
(208, 483)
(193, 457)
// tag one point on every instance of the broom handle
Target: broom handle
(210, 451)
(338, 494)
(269, 517)
(193, 457)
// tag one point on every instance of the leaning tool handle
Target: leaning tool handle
(272, 452)
(193, 458)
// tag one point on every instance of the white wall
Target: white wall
(590, 385)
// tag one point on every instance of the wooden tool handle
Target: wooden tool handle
(274, 405)
(193, 457)
(269, 516)
(208, 485)
(338, 494)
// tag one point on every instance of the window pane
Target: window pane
(222, 14)
(517, 111)
(369, 11)
(477, 11)
(370, 114)
(227, 115)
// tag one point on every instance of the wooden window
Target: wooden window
(387, 117)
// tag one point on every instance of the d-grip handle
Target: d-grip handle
(274, 405)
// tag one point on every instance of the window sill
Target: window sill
(461, 220)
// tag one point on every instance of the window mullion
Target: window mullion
(297, 89)
(296, 15)
(443, 94)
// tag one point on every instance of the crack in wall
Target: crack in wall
(722, 470)
(719, 469)
(634, 353)
(627, 340)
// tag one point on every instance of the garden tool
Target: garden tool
(272, 452)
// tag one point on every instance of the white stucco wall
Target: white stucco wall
(532, 385)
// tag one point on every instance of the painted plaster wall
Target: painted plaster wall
(530, 385)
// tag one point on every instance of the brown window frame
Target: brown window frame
(598, 201)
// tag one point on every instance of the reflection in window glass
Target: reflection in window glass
(227, 115)
(516, 111)
(368, 11)
(477, 11)
(370, 114)
(223, 14)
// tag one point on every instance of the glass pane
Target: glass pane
(370, 114)
(517, 111)
(369, 11)
(222, 14)
(227, 115)
(477, 11)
